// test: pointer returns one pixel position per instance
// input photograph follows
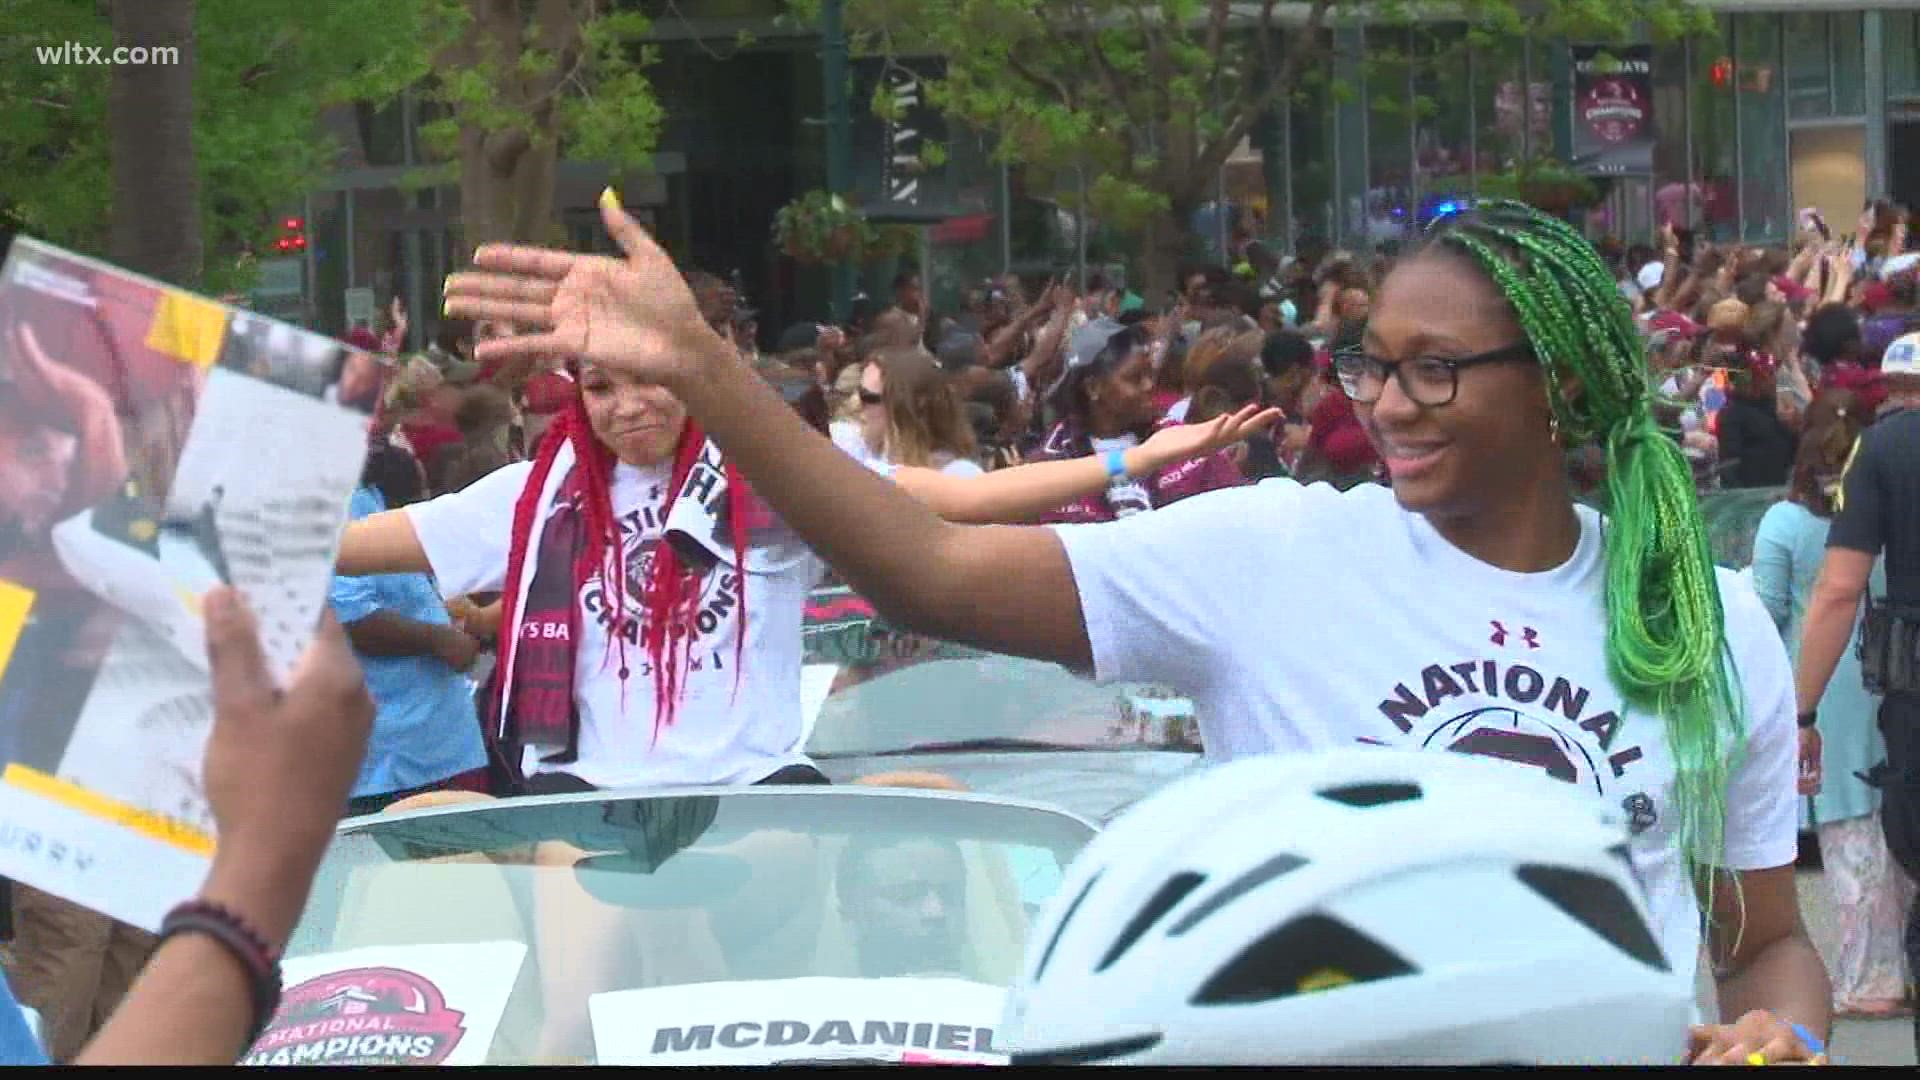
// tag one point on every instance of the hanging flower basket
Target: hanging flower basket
(1545, 185)
(1554, 196)
(822, 229)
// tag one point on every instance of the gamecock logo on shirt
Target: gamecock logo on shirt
(719, 593)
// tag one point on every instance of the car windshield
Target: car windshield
(750, 926)
(991, 702)
(1733, 518)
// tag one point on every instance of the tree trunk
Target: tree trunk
(486, 191)
(533, 186)
(507, 178)
(507, 198)
(155, 186)
(1168, 245)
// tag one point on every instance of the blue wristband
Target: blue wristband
(1116, 465)
(1813, 1042)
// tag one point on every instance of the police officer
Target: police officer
(1879, 513)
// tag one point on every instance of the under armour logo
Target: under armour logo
(1640, 813)
(1527, 634)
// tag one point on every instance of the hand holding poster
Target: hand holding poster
(152, 444)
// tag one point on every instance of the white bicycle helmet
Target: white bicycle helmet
(1363, 906)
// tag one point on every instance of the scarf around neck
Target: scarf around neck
(567, 535)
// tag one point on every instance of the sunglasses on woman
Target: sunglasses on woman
(870, 397)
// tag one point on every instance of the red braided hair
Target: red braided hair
(671, 600)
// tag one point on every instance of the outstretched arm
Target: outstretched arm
(1008, 589)
(1004, 588)
(382, 543)
(1028, 491)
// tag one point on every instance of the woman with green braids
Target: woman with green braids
(1474, 607)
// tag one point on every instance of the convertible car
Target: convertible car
(731, 926)
(892, 701)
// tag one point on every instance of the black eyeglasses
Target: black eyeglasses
(869, 397)
(1430, 381)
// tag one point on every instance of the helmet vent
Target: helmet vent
(1307, 955)
(1088, 1053)
(1599, 905)
(1275, 867)
(1372, 794)
(1162, 901)
(1047, 953)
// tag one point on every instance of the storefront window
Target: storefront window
(1310, 149)
(1350, 143)
(967, 248)
(1765, 213)
(1902, 37)
(1671, 204)
(1390, 199)
(1717, 211)
(1809, 89)
(382, 133)
(1513, 109)
(1847, 33)
(1443, 120)
(327, 231)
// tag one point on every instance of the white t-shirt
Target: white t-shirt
(948, 464)
(715, 738)
(1299, 618)
(846, 435)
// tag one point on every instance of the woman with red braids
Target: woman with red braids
(681, 694)
(626, 508)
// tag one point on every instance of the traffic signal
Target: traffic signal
(293, 236)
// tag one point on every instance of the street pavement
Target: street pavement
(1855, 1042)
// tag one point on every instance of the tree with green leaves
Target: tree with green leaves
(262, 74)
(523, 82)
(519, 81)
(1151, 97)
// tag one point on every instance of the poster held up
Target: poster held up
(153, 444)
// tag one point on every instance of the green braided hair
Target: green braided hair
(1666, 631)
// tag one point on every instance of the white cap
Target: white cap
(1651, 275)
(1902, 357)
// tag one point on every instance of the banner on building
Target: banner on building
(900, 142)
(1613, 109)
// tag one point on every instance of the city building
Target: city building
(1786, 105)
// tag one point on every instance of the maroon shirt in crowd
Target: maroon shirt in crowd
(1338, 440)
(1168, 486)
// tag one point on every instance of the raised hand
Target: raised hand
(1181, 442)
(634, 315)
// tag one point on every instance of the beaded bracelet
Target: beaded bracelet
(258, 958)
